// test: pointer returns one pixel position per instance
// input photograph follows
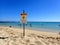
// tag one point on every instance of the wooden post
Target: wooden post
(23, 29)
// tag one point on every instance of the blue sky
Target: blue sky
(37, 10)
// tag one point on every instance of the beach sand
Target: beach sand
(13, 36)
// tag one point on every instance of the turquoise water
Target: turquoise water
(35, 25)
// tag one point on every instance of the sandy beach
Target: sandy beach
(13, 36)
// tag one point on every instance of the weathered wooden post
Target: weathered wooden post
(23, 21)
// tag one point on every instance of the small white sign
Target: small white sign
(23, 18)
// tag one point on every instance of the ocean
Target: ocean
(43, 26)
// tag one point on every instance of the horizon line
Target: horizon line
(30, 21)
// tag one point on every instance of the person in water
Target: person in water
(10, 26)
(30, 25)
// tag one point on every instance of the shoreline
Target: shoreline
(32, 30)
(36, 29)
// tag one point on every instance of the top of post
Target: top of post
(23, 13)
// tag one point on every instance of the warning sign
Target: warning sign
(23, 17)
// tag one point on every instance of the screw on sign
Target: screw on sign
(23, 21)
